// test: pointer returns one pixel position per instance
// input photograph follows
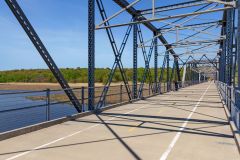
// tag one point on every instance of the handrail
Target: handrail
(231, 98)
(23, 108)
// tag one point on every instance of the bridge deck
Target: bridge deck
(185, 125)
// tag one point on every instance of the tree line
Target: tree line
(72, 75)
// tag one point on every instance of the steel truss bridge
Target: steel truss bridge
(188, 43)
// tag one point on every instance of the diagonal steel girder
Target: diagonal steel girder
(186, 61)
(147, 59)
(163, 67)
(42, 50)
(201, 61)
(132, 11)
(211, 61)
(117, 54)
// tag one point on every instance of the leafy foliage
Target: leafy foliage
(72, 75)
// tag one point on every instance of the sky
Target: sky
(62, 26)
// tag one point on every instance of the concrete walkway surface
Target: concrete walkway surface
(186, 125)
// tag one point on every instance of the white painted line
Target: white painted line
(175, 139)
(68, 136)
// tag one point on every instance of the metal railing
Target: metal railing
(231, 97)
(23, 108)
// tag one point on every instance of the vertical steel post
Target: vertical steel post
(156, 88)
(82, 99)
(191, 73)
(229, 53)
(195, 74)
(48, 104)
(91, 53)
(168, 73)
(223, 56)
(121, 93)
(238, 46)
(164, 87)
(178, 79)
(135, 47)
(178, 71)
(238, 55)
(162, 73)
(172, 75)
(149, 89)
(229, 46)
(104, 102)
(219, 65)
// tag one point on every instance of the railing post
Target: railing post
(82, 99)
(104, 103)
(225, 93)
(121, 88)
(164, 86)
(48, 104)
(230, 99)
(149, 88)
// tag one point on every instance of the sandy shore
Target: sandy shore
(42, 86)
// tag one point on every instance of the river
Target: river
(11, 120)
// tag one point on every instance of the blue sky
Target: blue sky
(62, 26)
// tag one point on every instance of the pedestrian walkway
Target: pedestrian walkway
(186, 125)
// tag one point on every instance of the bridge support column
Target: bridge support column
(135, 47)
(156, 88)
(178, 71)
(229, 46)
(238, 54)
(91, 53)
(168, 73)
(238, 45)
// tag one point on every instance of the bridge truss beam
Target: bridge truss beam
(33, 36)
